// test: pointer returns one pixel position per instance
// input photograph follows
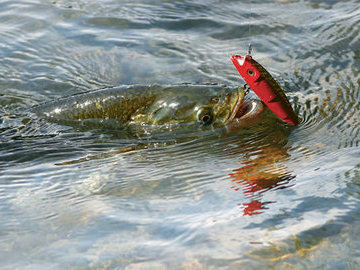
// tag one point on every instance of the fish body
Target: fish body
(152, 105)
(265, 87)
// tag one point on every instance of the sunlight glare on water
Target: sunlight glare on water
(263, 196)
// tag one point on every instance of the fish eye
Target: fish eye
(206, 117)
(215, 99)
(250, 72)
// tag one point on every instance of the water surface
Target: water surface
(267, 196)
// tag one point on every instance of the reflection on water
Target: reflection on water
(265, 196)
(260, 173)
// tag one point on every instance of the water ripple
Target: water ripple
(196, 198)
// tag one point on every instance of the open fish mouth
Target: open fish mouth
(248, 109)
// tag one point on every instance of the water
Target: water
(269, 196)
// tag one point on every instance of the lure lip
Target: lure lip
(265, 87)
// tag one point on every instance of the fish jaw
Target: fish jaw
(248, 113)
(239, 99)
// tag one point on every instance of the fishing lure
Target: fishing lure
(265, 87)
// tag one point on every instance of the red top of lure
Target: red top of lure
(265, 86)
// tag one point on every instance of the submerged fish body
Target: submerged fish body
(154, 105)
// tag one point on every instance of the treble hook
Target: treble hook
(246, 89)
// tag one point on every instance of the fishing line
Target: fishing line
(250, 47)
(263, 84)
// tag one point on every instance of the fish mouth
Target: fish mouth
(239, 101)
(247, 110)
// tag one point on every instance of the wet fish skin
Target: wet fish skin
(148, 104)
(112, 103)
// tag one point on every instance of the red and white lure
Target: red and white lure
(265, 87)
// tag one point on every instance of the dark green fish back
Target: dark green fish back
(118, 103)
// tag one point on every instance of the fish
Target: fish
(265, 87)
(156, 105)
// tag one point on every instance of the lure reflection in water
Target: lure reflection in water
(257, 175)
